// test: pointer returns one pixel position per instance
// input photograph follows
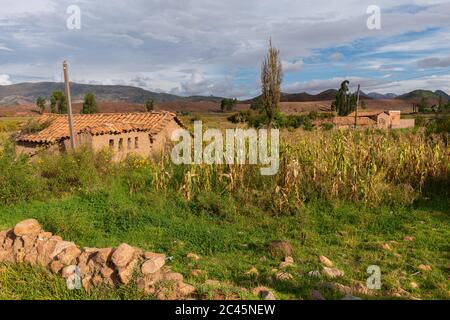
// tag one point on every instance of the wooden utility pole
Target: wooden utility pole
(69, 104)
(356, 109)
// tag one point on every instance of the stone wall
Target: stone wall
(28, 243)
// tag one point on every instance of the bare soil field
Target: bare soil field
(205, 107)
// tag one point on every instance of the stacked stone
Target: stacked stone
(28, 243)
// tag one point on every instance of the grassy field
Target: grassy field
(349, 195)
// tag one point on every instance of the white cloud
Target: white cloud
(4, 80)
(434, 62)
(160, 44)
(432, 83)
(292, 66)
(336, 56)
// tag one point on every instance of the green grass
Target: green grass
(233, 239)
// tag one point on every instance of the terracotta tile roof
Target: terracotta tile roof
(98, 124)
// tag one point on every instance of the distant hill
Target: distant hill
(418, 94)
(442, 94)
(28, 92)
(307, 97)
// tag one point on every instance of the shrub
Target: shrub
(17, 179)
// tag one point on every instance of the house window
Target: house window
(121, 144)
(129, 144)
(150, 138)
(136, 142)
(111, 143)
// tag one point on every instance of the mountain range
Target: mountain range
(26, 93)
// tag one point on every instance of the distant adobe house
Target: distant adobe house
(347, 122)
(386, 119)
(141, 133)
(372, 119)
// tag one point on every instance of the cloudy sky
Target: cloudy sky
(213, 47)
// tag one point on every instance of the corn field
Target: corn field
(369, 167)
(366, 167)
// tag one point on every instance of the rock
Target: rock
(408, 239)
(196, 273)
(173, 277)
(425, 268)
(387, 247)
(351, 297)
(280, 249)
(6, 256)
(414, 285)
(69, 255)
(122, 255)
(333, 272)
(316, 295)
(288, 262)
(102, 256)
(264, 293)
(325, 261)
(45, 249)
(284, 276)
(44, 236)
(345, 290)
(56, 266)
(18, 250)
(126, 273)
(107, 273)
(27, 227)
(185, 289)
(154, 263)
(60, 246)
(361, 289)
(86, 283)
(148, 283)
(193, 256)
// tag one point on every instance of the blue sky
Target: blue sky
(204, 47)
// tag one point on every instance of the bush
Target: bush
(327, 126)
(17, 179)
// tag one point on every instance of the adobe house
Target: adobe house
(347, 122)
(386, 119)
(145, 134)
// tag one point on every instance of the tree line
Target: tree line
(58, 103)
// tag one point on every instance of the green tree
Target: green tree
(422, 106)
(271, 78)
(363, 104)
(40, 102)
(228, 104)
(58, 102)
(345, 102)
(441, 105)
(149, 105)
(89, 104)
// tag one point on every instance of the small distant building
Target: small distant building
(386, 119)
(145, 134)
(372, 119)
